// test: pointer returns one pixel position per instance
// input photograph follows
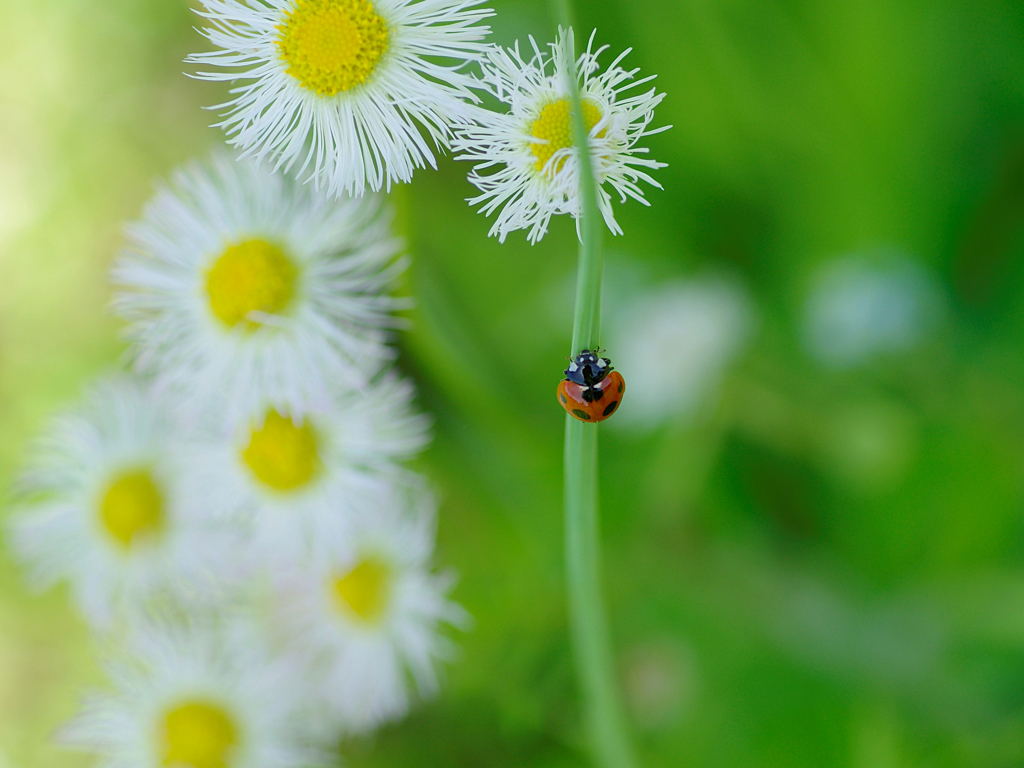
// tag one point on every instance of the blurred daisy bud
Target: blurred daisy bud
(528, 169)
(339, 90)
(293, 479)
(238, 281)
(367, 611)
(678, 341)
(198, 699)
(103, 505)
(857, 308)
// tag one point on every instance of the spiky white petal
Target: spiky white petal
(368, 136)
(501, 143)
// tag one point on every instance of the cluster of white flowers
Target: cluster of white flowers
(338, 89)
(236, 516)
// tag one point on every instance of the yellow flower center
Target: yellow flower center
(281, 454)
(364, 591)
(251, 276)
(555, 125)
(132, 506)
(199, 735)
(332, 46)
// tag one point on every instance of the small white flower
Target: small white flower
(239, 281)
(195, 699)
(367, 611)
(341, 88)
(678, 341)
(538, 170)
(296, 478)
(858, 307)
(104, 507)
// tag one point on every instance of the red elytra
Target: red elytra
(594, 403)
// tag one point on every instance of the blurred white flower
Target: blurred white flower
(538, 171)
(367, 610)
(673, 344)
(103, 505)
(190, 699)
(342, 88)
(858, 307)
(294, 479)
(241, 283)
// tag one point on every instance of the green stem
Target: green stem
(605, 724)
(603, 714)
(586, 326)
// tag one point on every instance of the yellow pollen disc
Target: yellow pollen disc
(198, 735)
(364, 591)
(132, 505)
(250, 276)
(282, 455)
(331, 46)
(555, 125)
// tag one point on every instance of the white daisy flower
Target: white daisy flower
(295, 478)
(340, 88)
(103, 506)
(244, 282)
(367, 611)
(531, 146)
(193, 699)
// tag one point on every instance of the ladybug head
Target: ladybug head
(588, 368)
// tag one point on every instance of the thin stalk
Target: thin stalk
(605, 724)
(603, 714)
(586, 326)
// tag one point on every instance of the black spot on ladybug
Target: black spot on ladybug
(620, 387)
(580, 414)
(562, 398)
(611, 407)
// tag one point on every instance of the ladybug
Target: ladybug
(591, 390)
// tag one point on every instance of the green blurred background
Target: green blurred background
(813, 555)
